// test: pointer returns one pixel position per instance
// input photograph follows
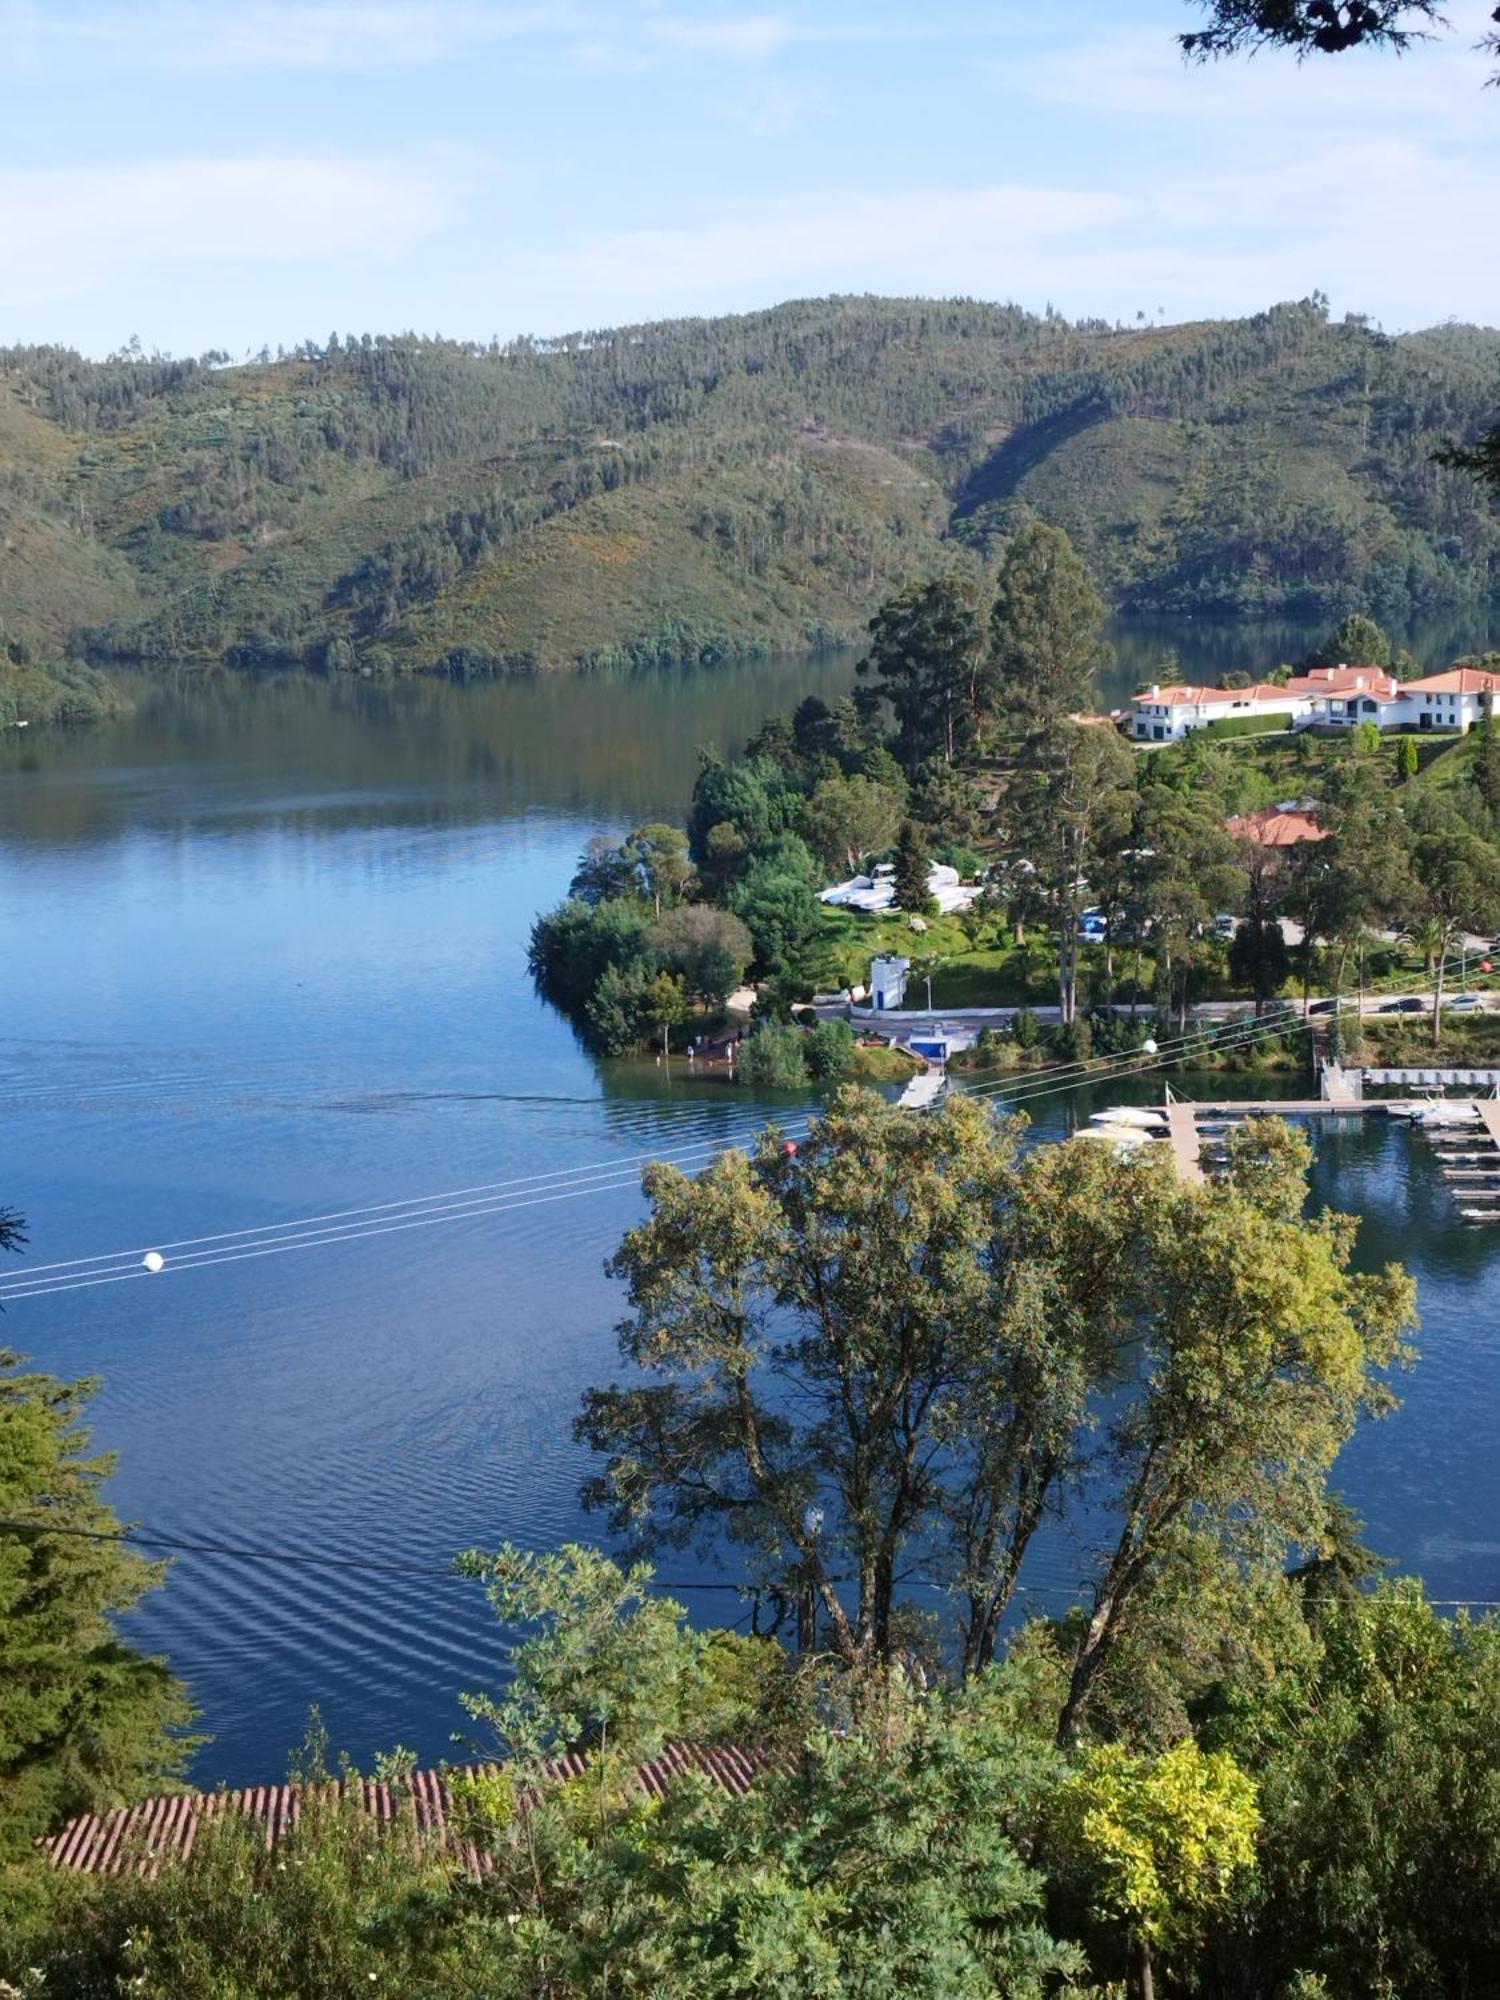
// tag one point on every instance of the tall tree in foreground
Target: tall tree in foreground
(878, 1356)
(85, 1721)
(1260, 1348)
(1047, 644)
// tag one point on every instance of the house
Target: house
(888, 975)
(1453, 700)
(1277, 826)
(1167, 714)
(1340, 697)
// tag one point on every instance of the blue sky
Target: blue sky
(223, 175)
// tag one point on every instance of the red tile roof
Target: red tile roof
(1185, 696)
(139, 1838)
(1457, 680)
(1271, 827)
(1346, 680)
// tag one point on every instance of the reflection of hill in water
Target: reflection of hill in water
(330, 754)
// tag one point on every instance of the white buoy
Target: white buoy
(1148, 1048)
(154, 1261)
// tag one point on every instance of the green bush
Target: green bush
(1025, 1028)
(1245, 725)
(829, 1050)
(775, 1057)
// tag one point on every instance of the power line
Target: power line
(300, 1558)
(561, 1184)
(381, 1218)
(309, 1559)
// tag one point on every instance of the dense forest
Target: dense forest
(708, 487)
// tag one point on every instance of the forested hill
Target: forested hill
(732, 485)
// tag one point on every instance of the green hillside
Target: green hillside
(706, 487)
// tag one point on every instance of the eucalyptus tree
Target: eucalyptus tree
(1067, 811)
(928, 660)
(1259, 1349)
(1047, 644)
(1458, 879)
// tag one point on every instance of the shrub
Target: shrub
(829, 1050)
(1025, 1028)
(775, 1057)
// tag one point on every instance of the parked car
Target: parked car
(1325, 1006)
(1410, 1005)
(1464, 1003)
(1226, 924)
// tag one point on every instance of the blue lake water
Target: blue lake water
(262, 957)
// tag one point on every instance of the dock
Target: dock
(1182, 1137)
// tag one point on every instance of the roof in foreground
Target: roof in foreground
(137, 1839)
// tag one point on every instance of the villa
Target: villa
(1325, 698)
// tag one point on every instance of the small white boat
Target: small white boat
(1433, 1117)
(1130, 1117)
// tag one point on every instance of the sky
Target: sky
(256, 172)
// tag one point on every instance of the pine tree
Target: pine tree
(1047, 644)
(85, 1720)
(912, 871)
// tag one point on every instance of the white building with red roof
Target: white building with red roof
(1324, 697)
(1452, 700)
(1167, 714)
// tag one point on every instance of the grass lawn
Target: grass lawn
(991, 976)
(1405, 1041)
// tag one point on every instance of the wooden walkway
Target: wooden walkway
(1182, 1135)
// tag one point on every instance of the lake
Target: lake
(262, 957)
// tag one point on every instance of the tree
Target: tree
(1068, 806)
(1485, 770)
(803, 1321)
(849, 819)
(1458, 877)
(86, 1722)
(1408, 760)
(1324, 27)
(829, 1049)
(604, 872)
(775, 1057)
(709, 947)
(1047, 645)
(912, 871)
(1186, 868)
(784, 920)
(1258, 958)
(1259, 1351)
(658, 858)
(1377, 1759)
(663, 1006)
(927, 659)
(1161, 1840)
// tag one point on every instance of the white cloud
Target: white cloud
(750, 38)
(248, 35)
(926, 239)
(76, 232)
